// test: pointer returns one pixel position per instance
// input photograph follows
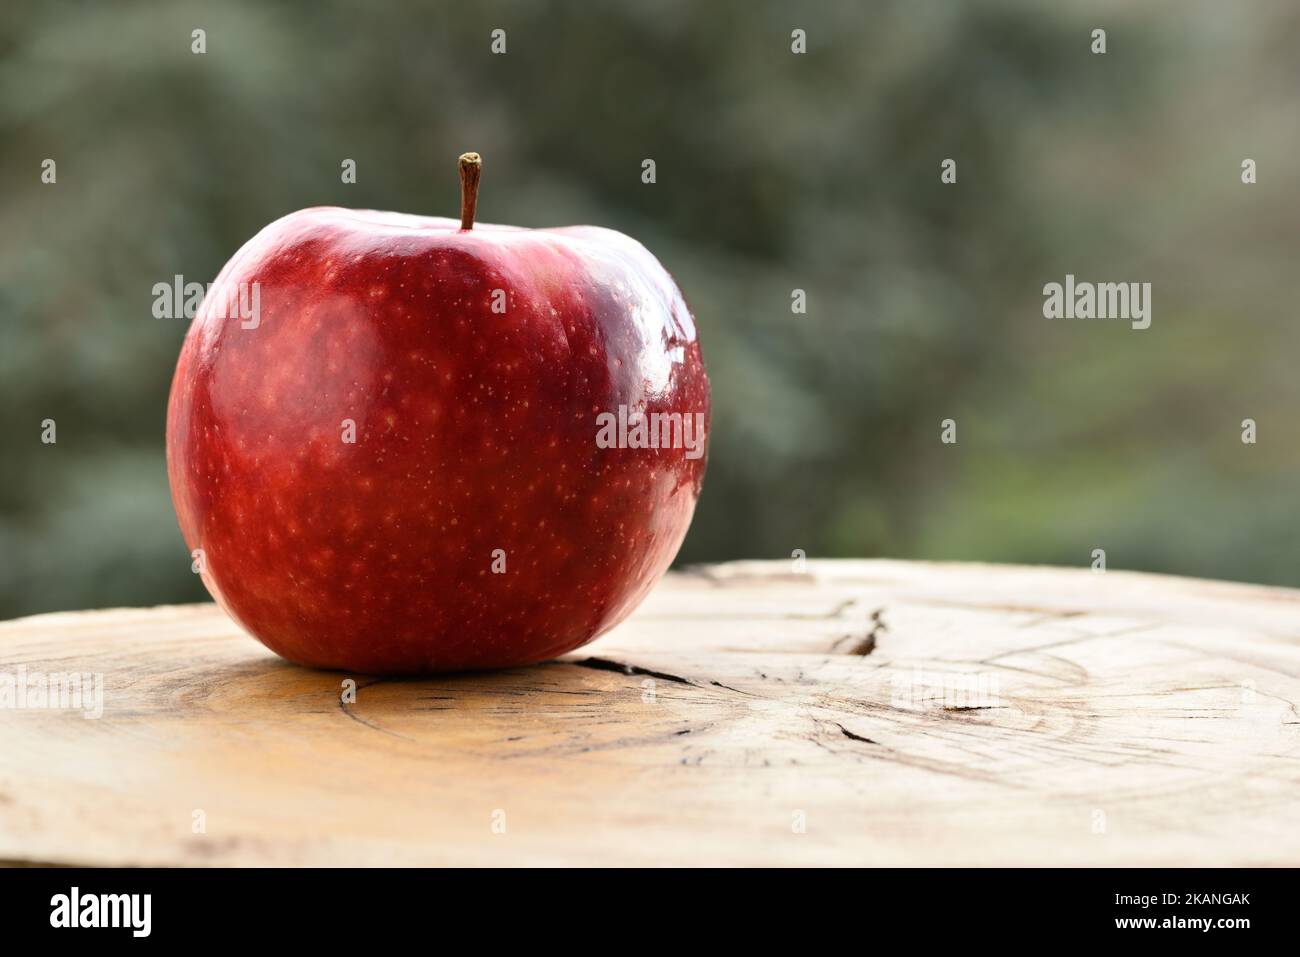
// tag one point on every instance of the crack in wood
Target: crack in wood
(855, 737)
(865, 644)
(606, 664)
(343, 706)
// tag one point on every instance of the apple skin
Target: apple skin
(475, 430)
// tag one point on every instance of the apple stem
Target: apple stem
(471, 165)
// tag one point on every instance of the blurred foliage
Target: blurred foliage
(775, 171)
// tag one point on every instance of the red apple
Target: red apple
(395, 457)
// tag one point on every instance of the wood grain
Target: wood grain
(903, 713)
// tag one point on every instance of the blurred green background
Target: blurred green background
(775, 172)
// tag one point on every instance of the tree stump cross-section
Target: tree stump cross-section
(853, 713)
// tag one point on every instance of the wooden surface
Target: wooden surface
(866, 712)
